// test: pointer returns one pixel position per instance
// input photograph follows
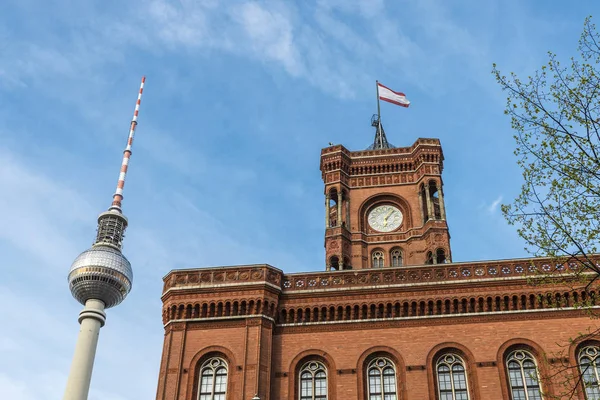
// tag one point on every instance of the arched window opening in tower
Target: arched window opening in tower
(396, 257)
(523, 376)
(377, 259)
(381, 374)
(435, 200)
(440, 256)
(451, 378)
(213, 379)
(334, 263)
(424, 207)
(313, 381)
(429, 258)
(589, 366)
(333, 208)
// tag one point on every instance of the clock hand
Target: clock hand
(387, 216)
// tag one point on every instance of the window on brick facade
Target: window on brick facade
(451, 378)
(377, 259)
(396, 257)
(313, 381)
(424, 208)
(523, 376)
(440, 256)
(213, 379)
(429, 258)
(334, 263)
(382, 379)
(589, 365)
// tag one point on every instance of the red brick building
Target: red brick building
(390, 317)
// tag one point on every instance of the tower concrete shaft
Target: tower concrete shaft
(91, 318)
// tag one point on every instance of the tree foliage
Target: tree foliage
(556, 116)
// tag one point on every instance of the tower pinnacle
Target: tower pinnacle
(380, 141)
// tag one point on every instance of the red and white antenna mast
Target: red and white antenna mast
(118, 196)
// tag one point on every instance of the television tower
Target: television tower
(100, 278)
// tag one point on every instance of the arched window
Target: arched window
(396, 257)
(589, 364)
(313, 381)
(424, 207)
(440, 256)
(334, 263)
(435, 200)
(451, 378)
(523, 376)
(213, 379)
(377, 259)
(332, 208)
(429, 258)
(382, 379)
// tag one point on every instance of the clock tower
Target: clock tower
(384, 206)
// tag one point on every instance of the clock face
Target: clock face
(385, 218)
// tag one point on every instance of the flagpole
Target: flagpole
(378, 113)
(378, 108)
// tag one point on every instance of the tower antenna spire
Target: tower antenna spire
(118, 196)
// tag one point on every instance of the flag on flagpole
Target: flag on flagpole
(387, 94)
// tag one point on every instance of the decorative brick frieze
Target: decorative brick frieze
(222, 276)
(424, 274)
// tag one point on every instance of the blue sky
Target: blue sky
(240, 98)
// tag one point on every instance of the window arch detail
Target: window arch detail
(381, 374)
(429, 258)
(523, 376)
(334, 263)
(396, 257)
(377, 259)
(451, 377)
(440, 256)
(424, 203)
(213, 379)
(588, 359)
(313, 381)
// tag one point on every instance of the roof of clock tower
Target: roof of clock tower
(425, 156)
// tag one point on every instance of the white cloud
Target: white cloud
(494, 206)
(318, 45)
(271, 36)
(39, 212)
(184, 23)
(324, 50)
(25, 340)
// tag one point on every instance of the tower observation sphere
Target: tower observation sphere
(103, 272)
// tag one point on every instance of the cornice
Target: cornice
(452, 319)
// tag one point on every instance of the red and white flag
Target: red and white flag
(387, 94)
